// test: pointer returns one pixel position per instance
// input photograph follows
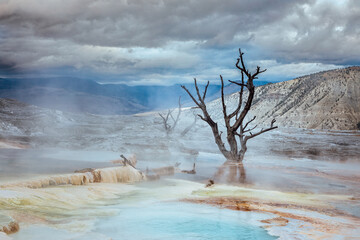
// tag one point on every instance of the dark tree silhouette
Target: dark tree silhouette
(236, 127)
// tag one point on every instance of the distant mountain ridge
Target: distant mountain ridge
(325, 100)
(84, 95)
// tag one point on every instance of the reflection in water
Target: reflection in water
(234, 173)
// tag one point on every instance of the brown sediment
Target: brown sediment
(164, 171)
(84, 170)
(12, 227)
(281, 210)
(28, 218)
(277, 221)
(355, 198)
(352, 178)
(316, 173)
(96, 176)
(155, 173)
(12, 144)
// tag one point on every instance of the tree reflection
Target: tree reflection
(234, 172)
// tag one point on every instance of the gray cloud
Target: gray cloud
(138, 36)
(327, 31)
(139, 23)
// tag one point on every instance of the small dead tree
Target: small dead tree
(235, 123)
(169, 128)
(188, 128)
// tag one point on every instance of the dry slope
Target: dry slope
(325, 100)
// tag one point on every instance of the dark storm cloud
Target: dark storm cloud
(140, 23)
(135, 37)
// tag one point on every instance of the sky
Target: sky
(165, 42)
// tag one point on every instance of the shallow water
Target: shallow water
(159, 221)
(177, 220)
(18, 164)
(143, 211)
(291, 162)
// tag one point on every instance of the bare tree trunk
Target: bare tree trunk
(239, 129)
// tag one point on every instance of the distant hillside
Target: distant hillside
(70, 94)
(84, 95)
(325, 100)
(17, 118)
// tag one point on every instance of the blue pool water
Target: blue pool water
(157, 221)
(149, 210)
(178, 220)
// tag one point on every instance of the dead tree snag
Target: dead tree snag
(166, 119)
(193, 171)
(188, 128)
(237, 128)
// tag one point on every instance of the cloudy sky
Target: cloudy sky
(172, 41)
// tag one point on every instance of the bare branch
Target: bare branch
(177, 116)
(127, 161)
(261, 132)
(236, 112)
(258, 71)
(161, 116)
(202, 118)
(246, 109)
(198, 92)
(172, 117)
(192, 97)
(250, 129)
(223, 101)
(272, 122)
(206, 87)
(248, 122)
(165, 122)
(240, 84)
(242, 68)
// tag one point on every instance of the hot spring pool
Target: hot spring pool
(177, 220)
(169, 220)
(144, 211)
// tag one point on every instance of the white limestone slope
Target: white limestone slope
(325, 100)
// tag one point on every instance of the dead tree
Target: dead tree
(127, 161)
(169, 128)
(236, 127)
(188, 128)
(193, 171)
